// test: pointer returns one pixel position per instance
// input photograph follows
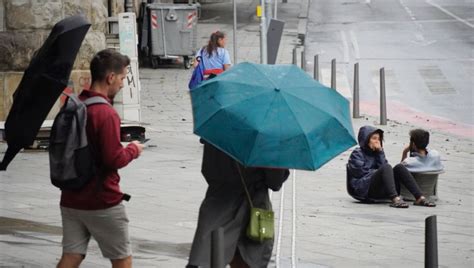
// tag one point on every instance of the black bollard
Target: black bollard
(333, 74)
(316, 68)
(294, 57)
(431, 242)
(355, 103)
(383, 99)
(217, 248)
(303, 60)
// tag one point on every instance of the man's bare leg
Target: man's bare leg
(122, 263)
(70, 260)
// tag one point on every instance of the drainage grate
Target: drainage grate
(435, 80)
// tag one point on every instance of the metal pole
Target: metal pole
(293, 223)
(303, 60)
(294, 61)
(217, 248)
(355, 104)
(263, 35)
(235, 31)
(431, 242)
(333, 74)
(316, 67)
(268, 11)
(383, 101)
(275, 9)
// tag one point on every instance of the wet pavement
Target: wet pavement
(332, 229)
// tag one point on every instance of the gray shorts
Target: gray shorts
(109, 227)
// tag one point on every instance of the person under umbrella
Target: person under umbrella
(225, 205)
(258, 121)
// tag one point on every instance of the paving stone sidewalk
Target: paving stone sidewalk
(166, 186)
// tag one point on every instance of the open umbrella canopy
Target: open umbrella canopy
(272, 116)
(42, 83)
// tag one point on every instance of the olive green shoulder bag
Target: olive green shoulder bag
(261, 224)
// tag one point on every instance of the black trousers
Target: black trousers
(385, 182)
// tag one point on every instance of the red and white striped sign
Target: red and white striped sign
(191, 17)
(154, 20)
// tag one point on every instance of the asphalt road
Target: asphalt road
(425, 46)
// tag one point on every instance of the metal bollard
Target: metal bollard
(431, 242)
(217, 248)
(383, 100)
(333, 74)
(294, 57)
(355, 103)
(303, 60)
(316, 67)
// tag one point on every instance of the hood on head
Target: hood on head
(364, 134)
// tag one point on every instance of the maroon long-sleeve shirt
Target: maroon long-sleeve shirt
(103, 133)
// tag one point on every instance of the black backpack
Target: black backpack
(70, 157)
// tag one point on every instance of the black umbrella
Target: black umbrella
(42, 83)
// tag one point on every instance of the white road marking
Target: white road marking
(355, 44)
(450, 14)
(345, 46)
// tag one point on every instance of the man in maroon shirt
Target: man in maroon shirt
(96, 209)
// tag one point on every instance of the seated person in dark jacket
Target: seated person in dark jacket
(371, 177)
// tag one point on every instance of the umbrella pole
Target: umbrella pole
(8, 157)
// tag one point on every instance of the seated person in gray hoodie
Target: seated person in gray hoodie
(417, 158)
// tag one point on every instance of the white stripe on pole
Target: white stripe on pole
(280, 227)
(293, 233)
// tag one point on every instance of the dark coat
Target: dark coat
(226, 205)
(363, 162)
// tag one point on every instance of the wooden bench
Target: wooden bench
(428, 183)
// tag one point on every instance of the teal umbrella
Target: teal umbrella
(272, 116)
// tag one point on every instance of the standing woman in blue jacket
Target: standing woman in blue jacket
(371, 177)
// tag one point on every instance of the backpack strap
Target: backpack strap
(95, 100)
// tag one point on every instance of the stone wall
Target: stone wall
(25, 24)
(2, 18)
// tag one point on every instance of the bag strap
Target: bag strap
(95, 100)
(199, 59)
(245, 186)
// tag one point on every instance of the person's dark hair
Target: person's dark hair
(420, 138)
(213, 45)
(106, 61)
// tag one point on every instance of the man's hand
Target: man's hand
(139, 146)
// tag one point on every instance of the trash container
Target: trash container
(173, 32)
